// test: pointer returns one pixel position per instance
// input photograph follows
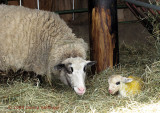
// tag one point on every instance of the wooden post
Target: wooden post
(103, 30)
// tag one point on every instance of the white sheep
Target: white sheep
(125, 87)
(41, 42)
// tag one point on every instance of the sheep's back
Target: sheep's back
(27, 36)
(14, 37)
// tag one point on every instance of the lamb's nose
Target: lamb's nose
(109, 91)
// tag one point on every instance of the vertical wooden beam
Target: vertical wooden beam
(103, 30)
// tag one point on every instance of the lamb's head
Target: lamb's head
(116, 82)
(73, 73)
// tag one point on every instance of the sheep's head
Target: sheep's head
(116, 82)
(73, 73)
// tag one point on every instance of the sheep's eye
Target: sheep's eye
(84, 69)
(117, 83)
(71, 69)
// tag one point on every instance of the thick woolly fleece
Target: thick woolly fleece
(36, 40)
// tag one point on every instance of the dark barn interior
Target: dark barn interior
(127, 24)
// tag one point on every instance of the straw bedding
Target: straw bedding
(22, 94)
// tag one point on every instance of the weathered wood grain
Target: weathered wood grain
(103, 33)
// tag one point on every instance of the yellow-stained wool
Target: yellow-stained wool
(125, 86)
(135, 86)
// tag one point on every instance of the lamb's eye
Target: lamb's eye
(117, 83)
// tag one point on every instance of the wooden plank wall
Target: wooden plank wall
(56, 5)
(44, 4)
(59, 5)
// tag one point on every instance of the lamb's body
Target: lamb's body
(131, 88)
(35, 40)
(126, 87)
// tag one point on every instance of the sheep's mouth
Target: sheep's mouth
(80, 94)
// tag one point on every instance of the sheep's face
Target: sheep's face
(116, 82)
(73, 73)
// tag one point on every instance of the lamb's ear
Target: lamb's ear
(59, 66)
(90, 63)
(126, 80)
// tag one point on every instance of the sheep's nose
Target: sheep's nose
(81, 89)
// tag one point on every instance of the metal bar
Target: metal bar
(20, 2)
(139, 14)
(138, 11)
(143, 4)
(152, 12)
(158, 12)
(72, 11)
(38, 4)
(144, 9)
(83, 10)
(129, 6)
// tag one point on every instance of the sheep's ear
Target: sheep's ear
(59, 66)
(126, 80)
(90, 63)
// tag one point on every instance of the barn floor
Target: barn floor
(135, 59)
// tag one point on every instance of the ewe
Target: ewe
(40, 41)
